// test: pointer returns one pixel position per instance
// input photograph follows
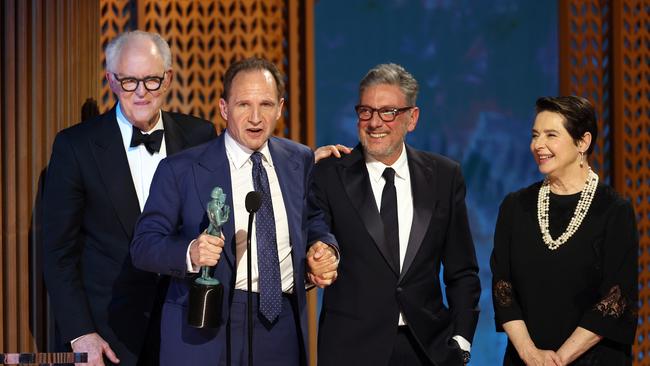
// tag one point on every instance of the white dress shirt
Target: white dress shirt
(241, 178)
(142, 164)
(404, 198)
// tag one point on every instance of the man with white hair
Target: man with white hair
(97, 183)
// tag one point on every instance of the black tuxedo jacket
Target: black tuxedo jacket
(360, 312)
(90, 208)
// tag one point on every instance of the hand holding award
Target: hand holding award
(206, 293)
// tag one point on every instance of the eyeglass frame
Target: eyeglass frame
(121, 81)
(396, 112)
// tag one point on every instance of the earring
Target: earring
(582, 158)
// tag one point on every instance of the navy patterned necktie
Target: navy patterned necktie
(268, 264)
(388, 212)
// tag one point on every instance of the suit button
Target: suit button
(399, 290)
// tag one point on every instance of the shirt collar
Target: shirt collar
(126, 128)
(376, 168)
(239, 154)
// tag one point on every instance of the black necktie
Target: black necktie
(151, 141)
(268, 264)
(388, 214)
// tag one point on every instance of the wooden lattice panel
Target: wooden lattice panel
(631, 40)
(605, 56)
(114, 18)
(585, 64)
(206, 37)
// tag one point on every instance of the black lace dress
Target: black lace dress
(590, 281)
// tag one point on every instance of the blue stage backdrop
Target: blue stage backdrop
(480, 64)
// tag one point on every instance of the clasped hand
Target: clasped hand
(322, 264)
(542, 357)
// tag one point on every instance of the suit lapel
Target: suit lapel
(213, 170)
(287, 168)
(174, 138)
(113, 166)
(422, 188)
(356, 182)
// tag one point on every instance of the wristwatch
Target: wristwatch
(466, 356)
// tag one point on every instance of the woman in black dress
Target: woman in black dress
(564, 263)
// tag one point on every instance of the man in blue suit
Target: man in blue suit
(170, 236)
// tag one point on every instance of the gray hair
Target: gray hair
(391, 74)
(114, 47)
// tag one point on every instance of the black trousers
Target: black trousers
(406, 351)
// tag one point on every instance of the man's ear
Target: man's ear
(413, 119)
(223, 109)
(112, 83)
(168, 78)
(280, 105)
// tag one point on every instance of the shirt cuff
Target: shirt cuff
(188, 260)
(76, 339)
(462, 343)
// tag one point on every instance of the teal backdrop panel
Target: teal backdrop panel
(480, 64)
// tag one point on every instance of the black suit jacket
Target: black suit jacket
(90, 208)
(360, 312)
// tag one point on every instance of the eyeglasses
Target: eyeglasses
(151, 83)
(386, 114)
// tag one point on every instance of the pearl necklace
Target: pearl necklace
(543, 198)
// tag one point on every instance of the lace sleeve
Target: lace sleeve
(615, 304)
(503, 293)
(613, 313)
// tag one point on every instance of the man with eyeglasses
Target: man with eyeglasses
(97, 183)
(398, 215)
(170, 236)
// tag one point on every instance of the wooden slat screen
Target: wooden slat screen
(205, 37)
(585, 66)
(48, 69)
(605, 56)
(631, 138)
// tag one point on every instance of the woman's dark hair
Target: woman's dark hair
(579, 116)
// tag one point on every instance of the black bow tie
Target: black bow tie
(151, 141)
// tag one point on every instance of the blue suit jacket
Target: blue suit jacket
(175, 214)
